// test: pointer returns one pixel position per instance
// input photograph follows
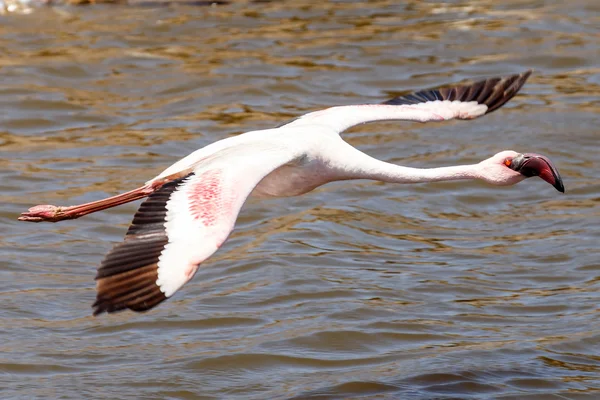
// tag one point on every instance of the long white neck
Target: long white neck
(355, 164)
(397, 174)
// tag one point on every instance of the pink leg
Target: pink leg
(54, 214)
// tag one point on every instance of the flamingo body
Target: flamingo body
(192, 206)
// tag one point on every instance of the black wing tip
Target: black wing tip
(504, 90)
(493, 92)
(136, 292)
(107, 306)
(129, 282)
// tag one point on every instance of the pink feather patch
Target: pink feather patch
(206, 197)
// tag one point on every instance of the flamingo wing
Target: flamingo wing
(439, 104)
(181, 225)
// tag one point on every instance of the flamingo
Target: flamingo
(192, 206)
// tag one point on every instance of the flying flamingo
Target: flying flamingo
(192, 206)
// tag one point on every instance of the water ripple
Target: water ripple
(357, 290)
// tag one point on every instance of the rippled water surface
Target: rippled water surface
(357, 290)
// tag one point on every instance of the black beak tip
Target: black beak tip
(558, 182)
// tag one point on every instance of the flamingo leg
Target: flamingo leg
(56, 213)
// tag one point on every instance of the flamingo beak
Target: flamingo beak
(531, 164)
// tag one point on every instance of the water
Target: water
(357, 290)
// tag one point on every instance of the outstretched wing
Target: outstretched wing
(439, 104)
(181, 225)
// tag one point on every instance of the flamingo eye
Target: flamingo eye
(508, 162)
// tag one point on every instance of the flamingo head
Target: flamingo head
(509, 167)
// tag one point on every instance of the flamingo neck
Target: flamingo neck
(391, 173)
